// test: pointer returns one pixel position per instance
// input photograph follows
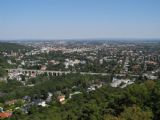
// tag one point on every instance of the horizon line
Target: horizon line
(77, 39)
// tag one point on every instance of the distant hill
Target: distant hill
(4, 46)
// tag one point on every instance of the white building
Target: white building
(121, 82)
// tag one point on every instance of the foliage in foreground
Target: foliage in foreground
(136, 102)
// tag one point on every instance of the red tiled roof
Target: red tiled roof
(5, 115)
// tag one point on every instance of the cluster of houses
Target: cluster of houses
(120, 53)
(47, 49)
(10, 54)
(27, 102)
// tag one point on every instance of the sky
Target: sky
(79, 19)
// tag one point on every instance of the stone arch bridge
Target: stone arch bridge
(48, 72)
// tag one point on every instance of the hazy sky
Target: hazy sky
(68, 19)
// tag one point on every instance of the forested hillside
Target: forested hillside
(7, 47)
(136, 102)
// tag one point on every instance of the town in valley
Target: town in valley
(39, 75)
